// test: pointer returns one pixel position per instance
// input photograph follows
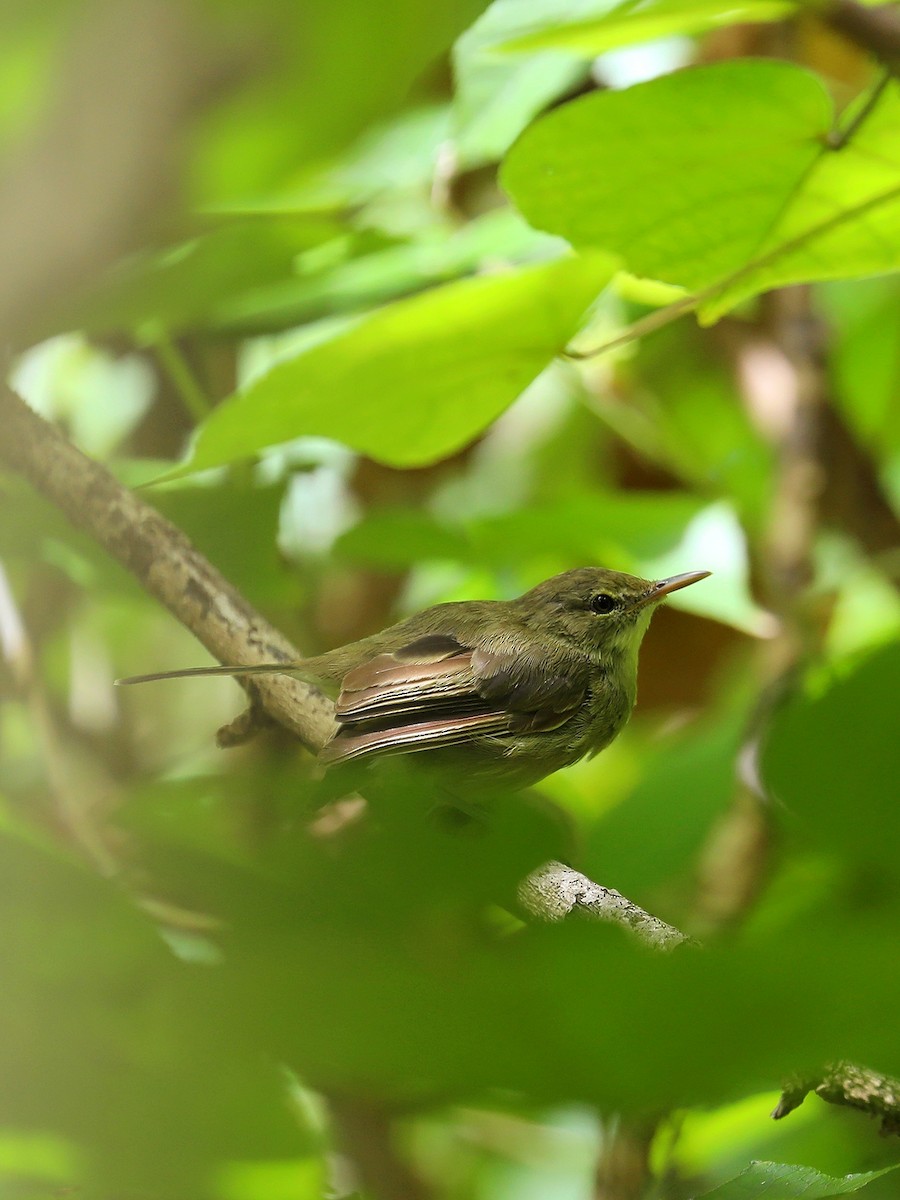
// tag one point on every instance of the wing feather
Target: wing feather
(436, 691)
(420, 735)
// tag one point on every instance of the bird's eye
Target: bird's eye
(603, 603)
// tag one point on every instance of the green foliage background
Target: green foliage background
(337, 362)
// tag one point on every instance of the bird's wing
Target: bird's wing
(436, 691)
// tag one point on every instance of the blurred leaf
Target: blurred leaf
(655, 834)
(400, 539)
(636, 173)
(369, 965)
(182, 287)
(692, 423)
(418, 379)
(397, 156)
(496, 96)
(435, 255)
(834, 758)
(615, 529)
(782, 1181)
(714, 541)
(293, 1179)
(591, 27)
(41, 534)
(330, 72)
(866, 358)
(106, 1038)
(28, 65)
(235, 526)
(447, 1013)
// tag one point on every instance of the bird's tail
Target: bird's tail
(285, 668)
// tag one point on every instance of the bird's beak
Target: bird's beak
(663, 587)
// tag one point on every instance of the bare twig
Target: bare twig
(554, 891)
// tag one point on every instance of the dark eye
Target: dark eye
(603, 603)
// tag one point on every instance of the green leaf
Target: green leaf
(437, 255)
(783, 1181)
(183, 286)
(718, 178)
(91, 992)
(585, 527)
(339, 68)
(593, 27)
(497, 95)
(866, 359)
(834, 760)
(396, 538)
(417, 379)
(659, 830)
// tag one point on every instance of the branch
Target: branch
(852, 1086)
(555, 891)
(165, 563)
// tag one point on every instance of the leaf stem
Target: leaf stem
(649, 324)
(176, 367)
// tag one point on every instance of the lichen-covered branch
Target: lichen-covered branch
(554, 891)
(849, 1085)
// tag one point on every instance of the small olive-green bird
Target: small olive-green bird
(500, 691)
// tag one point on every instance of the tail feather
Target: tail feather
(286, 668)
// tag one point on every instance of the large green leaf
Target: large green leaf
(784, 1181)
(418, 379)
(719, 178)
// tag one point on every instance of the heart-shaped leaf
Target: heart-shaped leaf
(722, 179)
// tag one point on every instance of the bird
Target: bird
(504, 692)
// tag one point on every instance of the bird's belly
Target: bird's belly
(515, 762)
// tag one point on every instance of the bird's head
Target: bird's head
(605, 613)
